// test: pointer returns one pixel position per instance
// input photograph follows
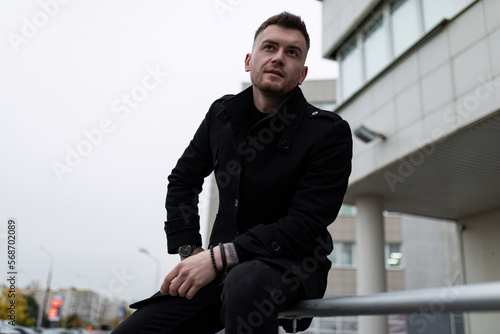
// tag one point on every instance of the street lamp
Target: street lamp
(145, 251)
(41, 309)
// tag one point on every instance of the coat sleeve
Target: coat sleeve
(315, 204)
(182, 226)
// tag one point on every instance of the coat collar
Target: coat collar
(237, 109)
(237, 103)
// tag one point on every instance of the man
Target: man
(281, 167)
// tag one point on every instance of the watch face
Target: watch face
(186, 250)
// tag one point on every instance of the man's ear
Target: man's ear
(303, 75)
(247, 62)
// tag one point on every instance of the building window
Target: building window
(351, 68)
(434, 11)
(391, 30)
(347, 210)
(343, 255)
(404, 25)
(394, 256)
(376, 53)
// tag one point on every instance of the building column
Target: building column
(370, 244)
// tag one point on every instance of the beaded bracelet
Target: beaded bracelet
(213, 260)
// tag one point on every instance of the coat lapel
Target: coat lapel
(289, 114)
(237, 111)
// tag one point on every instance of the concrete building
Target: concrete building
(418, 253)
(419, 81)
(83, 303)
(112, 312)
(342, 277)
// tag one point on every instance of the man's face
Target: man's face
(276, 65)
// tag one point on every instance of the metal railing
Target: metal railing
(471, 297)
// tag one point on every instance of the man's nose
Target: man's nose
(279, 57)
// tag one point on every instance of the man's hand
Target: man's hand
(191, 274)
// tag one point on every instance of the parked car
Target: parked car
(5, 328)
(58, 331)
(25, 330)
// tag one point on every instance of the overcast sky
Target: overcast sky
(98, 99)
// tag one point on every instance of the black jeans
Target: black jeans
(249, 301)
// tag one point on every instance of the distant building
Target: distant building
(83, 303)
(418, 253)
(88, 306)
(111, 312)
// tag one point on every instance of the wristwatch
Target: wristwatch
(186, 250)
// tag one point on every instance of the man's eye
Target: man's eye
(292, 52)
(269, 47)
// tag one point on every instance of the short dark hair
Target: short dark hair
(288, 21)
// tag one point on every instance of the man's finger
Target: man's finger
(173, 289)
(191, 292)
(168, 280)
(183, 289)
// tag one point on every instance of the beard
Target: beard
(273, 89)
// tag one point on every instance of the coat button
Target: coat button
(314, 113)
(275, 246)
(285, 144)
(236, 203)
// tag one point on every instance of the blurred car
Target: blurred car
(25, 330)
(5, 328)
(58, 331)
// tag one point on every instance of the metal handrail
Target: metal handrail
(470, 297)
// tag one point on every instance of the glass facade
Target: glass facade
(343, 255)
(434, 11)
(404, 25)
(351, 68)
(391, 30)
(376, 53)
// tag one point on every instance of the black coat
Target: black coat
(281, 183)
